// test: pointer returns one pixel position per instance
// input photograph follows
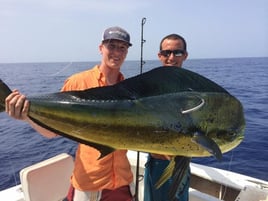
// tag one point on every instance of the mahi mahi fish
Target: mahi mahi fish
(167, 110)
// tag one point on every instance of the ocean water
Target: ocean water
(245, 78)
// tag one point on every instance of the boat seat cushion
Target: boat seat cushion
(47, 180)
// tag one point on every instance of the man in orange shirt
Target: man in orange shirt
(108, 178)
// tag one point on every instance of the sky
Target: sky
(71, 30)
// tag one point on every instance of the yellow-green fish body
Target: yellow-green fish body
(152, 124)
(169, 111)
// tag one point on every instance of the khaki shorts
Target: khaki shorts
(86, 195)
(124, 193)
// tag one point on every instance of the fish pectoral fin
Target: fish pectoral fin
(208, 144)
(167, 173)
(180, 177)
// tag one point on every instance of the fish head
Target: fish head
(218, 119)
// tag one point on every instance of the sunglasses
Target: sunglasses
(176, 53)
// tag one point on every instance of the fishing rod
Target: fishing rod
(142, 42)
(138, 153)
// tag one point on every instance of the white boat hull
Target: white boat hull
(41, 182)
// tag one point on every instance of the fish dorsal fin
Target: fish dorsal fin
(169, 80)
(161, 80)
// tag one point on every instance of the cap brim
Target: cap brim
(118, 40)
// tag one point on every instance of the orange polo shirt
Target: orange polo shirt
(91, 173)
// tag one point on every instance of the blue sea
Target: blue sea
(245, 78)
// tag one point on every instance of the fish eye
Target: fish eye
(228, 135)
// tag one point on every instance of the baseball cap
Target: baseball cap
(116, 33)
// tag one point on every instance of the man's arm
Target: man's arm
(17, 107)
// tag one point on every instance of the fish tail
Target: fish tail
(180, 179)
(4, 92)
